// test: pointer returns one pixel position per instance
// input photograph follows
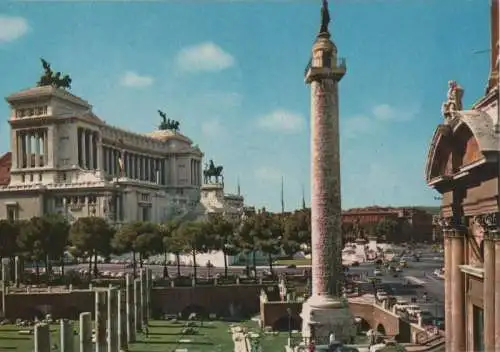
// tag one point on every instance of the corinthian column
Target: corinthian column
(457, 291)
(489, 288)
(447, 289)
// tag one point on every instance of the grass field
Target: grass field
(301, 261)
(163, 336)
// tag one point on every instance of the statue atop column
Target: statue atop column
(325, 17)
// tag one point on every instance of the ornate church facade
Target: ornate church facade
(64, 159)
(463, 165)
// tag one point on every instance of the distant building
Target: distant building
(463, 164)
(412, 223)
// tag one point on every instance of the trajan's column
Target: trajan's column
(325, 313)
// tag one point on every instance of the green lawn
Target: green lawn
(301, 261)
(163, 336)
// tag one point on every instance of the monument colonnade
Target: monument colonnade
(119, 315)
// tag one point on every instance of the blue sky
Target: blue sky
(232, 73)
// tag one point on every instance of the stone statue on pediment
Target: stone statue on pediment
(453, 102)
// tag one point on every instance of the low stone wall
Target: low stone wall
(227, 301)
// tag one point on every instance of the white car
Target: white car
(382, 295)
(401, 304)
(377, 272)
(413, 309)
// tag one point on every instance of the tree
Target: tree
(148, 242)
(173, 242)
(8, 237)
(386, 229)
(191, 235)
(91, 236)
(221, 233)
(33, 242)
(246, 239)
(166, 232)
(270, 232)
(297, 232)
(58, 236)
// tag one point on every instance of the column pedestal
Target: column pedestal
(327, 315)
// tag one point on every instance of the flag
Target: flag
(121, 162)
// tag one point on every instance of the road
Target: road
(202, 271)
(417, 272)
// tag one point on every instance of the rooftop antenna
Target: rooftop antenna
(282, 197)
(303, 198)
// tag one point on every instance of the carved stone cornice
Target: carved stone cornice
(453, 227)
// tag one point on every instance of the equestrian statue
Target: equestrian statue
(213, 171)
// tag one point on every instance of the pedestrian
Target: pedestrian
(145, 329)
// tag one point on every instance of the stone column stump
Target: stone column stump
(144, 290)
(67, 336)
(112, 320)
(137, 305)
(86, 332)
(122, 321)
(129, 287)
(101, 312)
(42, 338)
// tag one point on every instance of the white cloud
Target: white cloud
(281, 120)
(386, 112)
(266, 173)
(12, 28)
(212, 128)
(354, 126)
(133, 79)
(207, 56)
(372, 122)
